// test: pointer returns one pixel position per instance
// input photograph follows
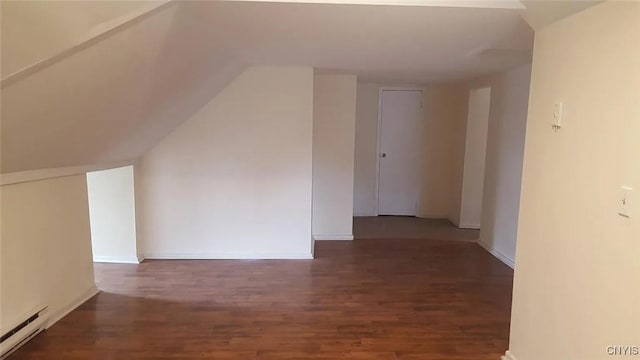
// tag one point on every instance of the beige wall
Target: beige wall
(334, 120)
(112, 214)
(445, 119)
(33, 31)
(504, 157)
(435, 191)
(234, 181)
(45, 248)
(576, 281)
(475, 151)
(366, 158)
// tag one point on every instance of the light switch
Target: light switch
(625, 201)
(557, 115)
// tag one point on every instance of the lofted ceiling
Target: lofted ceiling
(36, 30)
(414, 44)
(112, 95)
(114, 98)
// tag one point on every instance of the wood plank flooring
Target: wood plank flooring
(409, 227)
(365, 299)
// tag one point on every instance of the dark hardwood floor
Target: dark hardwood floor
(409, 227)
(366, 299)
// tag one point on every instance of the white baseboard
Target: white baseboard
(118, 260)
(508, 356)
(332, 237)
(469, 226)
(228, 256)
(502, 257)
(81, 299)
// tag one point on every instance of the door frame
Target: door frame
(379, 134)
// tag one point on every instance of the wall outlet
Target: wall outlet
(626, 201)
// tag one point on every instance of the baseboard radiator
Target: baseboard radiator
(23, 332)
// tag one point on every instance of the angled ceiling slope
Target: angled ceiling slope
(114, 98)
(33, 31)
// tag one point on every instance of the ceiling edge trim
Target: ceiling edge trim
(42, 174)
(485, 4)
(94, 35)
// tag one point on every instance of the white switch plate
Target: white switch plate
(626, 201)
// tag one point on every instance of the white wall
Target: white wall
(334, 119)
(234, 181)
(366, 158)
(576, 280)
(503, 167)
(45, 248)
(474, 158)
(112, 214)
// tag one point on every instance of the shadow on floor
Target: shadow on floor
(407, 227)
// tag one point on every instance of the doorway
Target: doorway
(112, 215)
(399, 149)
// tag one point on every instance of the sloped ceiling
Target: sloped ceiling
(36, 30)
(113, 98)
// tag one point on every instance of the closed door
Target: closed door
(399, 152)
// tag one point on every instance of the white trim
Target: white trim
(332, 237)
(488, 4)
(34, 175)
(376, 205)
(86, 295)
(25, 334)
(381, 89)
(508, 356)
(499, 255)
(469, 226)
(20, 318)
(228, 256)
(117, 259)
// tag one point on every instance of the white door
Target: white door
(399, 152)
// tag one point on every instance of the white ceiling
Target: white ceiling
(540, 13)
(113, 97)
(415, 44)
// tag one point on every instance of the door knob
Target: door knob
(384, 155)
